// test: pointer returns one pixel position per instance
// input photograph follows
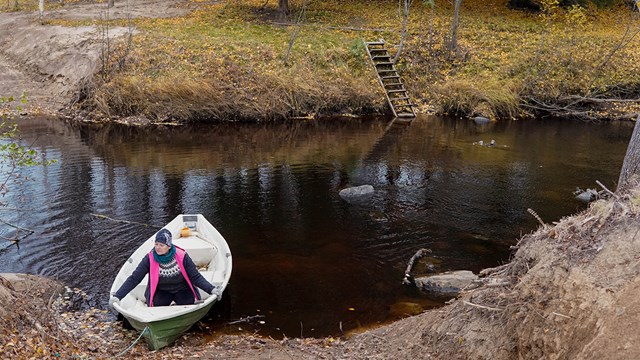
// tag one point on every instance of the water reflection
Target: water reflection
(302, 256)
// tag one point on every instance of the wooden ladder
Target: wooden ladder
(394, 89)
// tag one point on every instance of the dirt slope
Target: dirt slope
(49, 62)
(570, 292)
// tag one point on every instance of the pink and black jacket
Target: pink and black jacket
(150, 266)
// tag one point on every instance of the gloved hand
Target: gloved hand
(113, 300)
(217, 291)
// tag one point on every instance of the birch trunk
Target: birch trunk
(631, 164)
(41, 10)
(407, 4)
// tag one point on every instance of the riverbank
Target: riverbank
(570, 291)
(225, 61)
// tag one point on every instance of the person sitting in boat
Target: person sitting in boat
(172, 276)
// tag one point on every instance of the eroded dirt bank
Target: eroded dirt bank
(570, 292)
(50, 62)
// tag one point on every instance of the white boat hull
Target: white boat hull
(163, 324)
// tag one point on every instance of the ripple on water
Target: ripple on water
(301, 253)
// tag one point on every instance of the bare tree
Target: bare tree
(296, 30)
(407, 5)
(41, 10)
(631, 164)
(453, 45)
(111, 3)
(283, 8)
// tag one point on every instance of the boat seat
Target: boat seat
(199, 250)
(138, 292)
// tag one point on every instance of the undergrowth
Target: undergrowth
(226, 60)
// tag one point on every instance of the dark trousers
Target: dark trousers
(164, 298)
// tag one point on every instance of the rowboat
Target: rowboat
(161, 325)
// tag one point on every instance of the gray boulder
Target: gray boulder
(446, 284)
(481, 120)
(586, 196)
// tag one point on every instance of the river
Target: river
(309, 262)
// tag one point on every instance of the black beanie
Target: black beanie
(164, 236)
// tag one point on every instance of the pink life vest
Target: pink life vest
(154, 274)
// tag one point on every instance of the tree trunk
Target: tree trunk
(453, 45)
(111, 3)
(295, 31)
(283, 9)
(41, 10)
(407, 4)
(631, 164)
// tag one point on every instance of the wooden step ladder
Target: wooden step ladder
(396, 93)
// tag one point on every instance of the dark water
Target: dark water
(308, 261)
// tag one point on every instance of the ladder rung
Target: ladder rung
(381, 58)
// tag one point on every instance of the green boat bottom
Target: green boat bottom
(161, 333)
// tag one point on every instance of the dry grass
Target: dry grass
(461, 97)
(227, 61)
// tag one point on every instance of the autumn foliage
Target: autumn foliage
(225, 61)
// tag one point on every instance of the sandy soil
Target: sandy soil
(51, 62)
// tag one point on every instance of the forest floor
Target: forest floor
(569, 292)
(194, 60)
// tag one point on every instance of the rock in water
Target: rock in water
(446, 284)
(587, 196)
(356, 193)
(480, 120)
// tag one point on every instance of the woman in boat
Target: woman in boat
(172, 276)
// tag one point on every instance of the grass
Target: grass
(227, 60)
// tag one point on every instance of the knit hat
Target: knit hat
(164, 236)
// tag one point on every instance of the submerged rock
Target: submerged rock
(446, 284)
(356, 193)
(586, 196)
(481, 120)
